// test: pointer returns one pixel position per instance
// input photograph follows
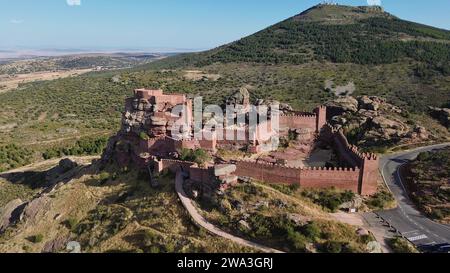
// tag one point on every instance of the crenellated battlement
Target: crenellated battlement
(250, 162)
(299, 116)
(178, 161)
(332, 169)
(266, 164)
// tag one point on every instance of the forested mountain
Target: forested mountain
(338, 34)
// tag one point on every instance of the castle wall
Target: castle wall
(299, 122)
(273, 174)
(146, 93)
(175, 165)
(346, 152)
(201, 175)
(340, 178)
(171, 99)
(343, 179)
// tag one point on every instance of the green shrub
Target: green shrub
(401, 245)
(297, 241)
(13, 156)
(37, 238)
(424, 156)
(311, 231)
(329, 199)
(381, 200)
(104, 177)
(83, 147)
(71, 223)
(198, 156)
(143, 135)
(333, 247)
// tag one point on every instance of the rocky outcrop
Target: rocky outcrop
(139, 117)
(64, 166)
(56, 245)
(342, 105)
(33, 208)
(240, 97)
(9, 214)
(372, 122)
(441, 114)
(224, 169)
(284, 108)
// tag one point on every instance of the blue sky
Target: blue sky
(166, 24)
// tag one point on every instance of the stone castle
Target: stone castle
(145, 141)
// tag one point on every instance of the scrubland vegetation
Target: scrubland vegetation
(292, 225)
(428, 180)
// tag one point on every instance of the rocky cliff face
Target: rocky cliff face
(373, 122)
(141, 116)
(441, 114)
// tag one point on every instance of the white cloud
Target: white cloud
(73, 2)
(374, 2)
(17, 21)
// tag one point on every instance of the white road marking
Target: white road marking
(418, 238)
(414, 231)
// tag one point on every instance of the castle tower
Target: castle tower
(321, 113)
(368, 184)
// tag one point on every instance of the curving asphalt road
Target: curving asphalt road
(411, 223)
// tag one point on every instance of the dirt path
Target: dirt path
(294, 200)
(105, 133)
(83, 159)
(201, 221)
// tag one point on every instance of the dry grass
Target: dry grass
(11, 82)
(113, 211)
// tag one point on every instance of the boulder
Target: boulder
(244, 225)
(75, 247)
(55, 245)
(66, 165)
(7, 214)
(224, 169)
(362, 232)
(34, 207)
(343, 104)
(374, 247)
(421, 132)
(369, 103)
(299, 219)
(228, 179)
(240, 97)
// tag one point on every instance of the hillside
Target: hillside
(428, 180)
(104, 211)
(116, 210)
(364, 45)
(79, 61)
(340, 34)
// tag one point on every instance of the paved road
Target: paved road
(201, 221)
(406, 218)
